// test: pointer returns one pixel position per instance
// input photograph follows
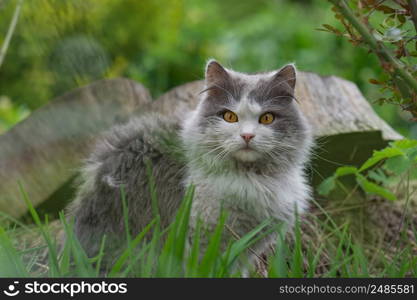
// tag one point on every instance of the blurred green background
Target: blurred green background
(59, 45)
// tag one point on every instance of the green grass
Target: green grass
(330, 251)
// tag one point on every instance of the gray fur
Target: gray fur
(267, 181)
(120, 159)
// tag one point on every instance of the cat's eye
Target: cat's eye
(230, 116)
(266, 118)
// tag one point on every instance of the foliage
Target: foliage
(10, 114)
(388, 30)
(165, 253)
(60, 45)
(384, 169)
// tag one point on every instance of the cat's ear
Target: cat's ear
(215, 74)
(285, 78)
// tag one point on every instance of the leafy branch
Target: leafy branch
(389, 42)
(381, 171)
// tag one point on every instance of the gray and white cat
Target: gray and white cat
(245, 148)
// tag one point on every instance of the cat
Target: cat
(244, 149)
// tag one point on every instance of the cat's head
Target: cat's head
(248, 118)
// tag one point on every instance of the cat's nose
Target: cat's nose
(247, 137)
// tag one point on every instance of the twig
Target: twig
(10, 32)
(375, 46)
(413, 10)
(375, 7)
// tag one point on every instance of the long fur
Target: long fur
(267, 181)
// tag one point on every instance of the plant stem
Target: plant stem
(9, 34)
(413, 10)
(376, 46)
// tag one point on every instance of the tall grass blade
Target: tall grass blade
(11, 261)
(53, 255)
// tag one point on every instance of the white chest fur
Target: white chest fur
(249, 198)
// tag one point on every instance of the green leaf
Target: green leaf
(327, 186)
(401, 18)
(412, 154)
(378, 175)
(375, 189)
(53, 256)
(346, 170)
(213, 249)
(297, 257)
(12, 263)
(117, 267)
(332, 29)
(248, 240)
(279, 264)
(193, 258)
(397, 164)
(380, 155)
(385, 9)
(405, 144)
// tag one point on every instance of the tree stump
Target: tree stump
(44, 151)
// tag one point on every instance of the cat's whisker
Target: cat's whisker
(213, 86)
(282, 82)
(270, 101)
(202, 157)
(319, 157)
(265, 182)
